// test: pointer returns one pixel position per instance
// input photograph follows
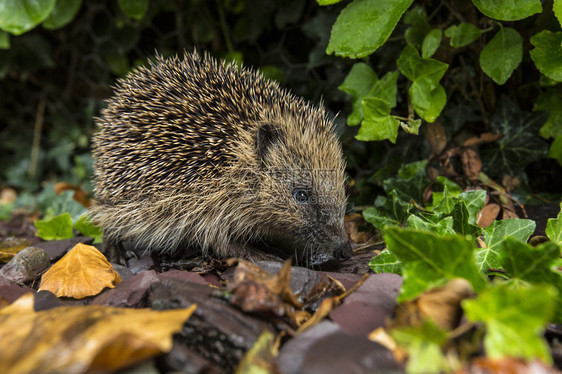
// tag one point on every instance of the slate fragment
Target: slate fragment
(347, 280)
(130, 293)
(45, 300)
(181, 359)
(368, 307)
(122, 271)
(326, 349)
(183, 275)
(217, 331)
(11, 291)
(58, 248)
(26, 265)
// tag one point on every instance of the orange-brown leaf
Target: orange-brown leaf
(487, 215)
(75, 339)
(83, 271)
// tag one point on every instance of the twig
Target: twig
(37, 137)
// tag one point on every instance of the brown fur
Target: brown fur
(197, 153)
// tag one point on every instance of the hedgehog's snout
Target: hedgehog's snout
(343, 251)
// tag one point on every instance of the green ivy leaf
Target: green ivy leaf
(327, 2)
(4, 40)
(555, 150)
(495, 234)
(135, 9)
(533, 265)
(428, 103)
(554, 228)
(364, 25)
(362, 82)
(62, 14)
(431, 43)
(414, 67)
(474, 201)
(85, 226)
(461, 223)
(547, 53)
(19, 16)
(56, 228)
(410, 182)
(412, 126)
(508, 10)
(390, 211)
(502, 55)
(514, 318)
(519, 145)
(557, 8)
(442, 226)
(430, 260)
(463, 34)
(386, 262)
(378, 123)
(550, 101)
(443, 202)
(416, 17)
(427, 95)
(423, 345)
(358, 83)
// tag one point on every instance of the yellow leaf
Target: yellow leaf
(75, 339)
(83, 271)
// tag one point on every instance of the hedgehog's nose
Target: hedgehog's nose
(343, 252)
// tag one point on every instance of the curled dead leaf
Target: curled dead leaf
(471, 163)
(255, 290)
(441, 305)
(76, 339)
(7, 195)
(487, 215)
(483, 138)
(80, 195)
(83, 271)
(510, 183)
(354, 227)
(380, 336)
(436, 136)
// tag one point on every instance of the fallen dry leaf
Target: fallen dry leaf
(7, 195)
(355, 226)
(507, 365)
(487, 215)
(255, 290)
(76, 339)
(483, 138)
(80, 195)
(264, 285)
(441, 305)
(510, 183)
(83, 271)
(471, 163)
(436, 136)
(379, 335)
(327, 305)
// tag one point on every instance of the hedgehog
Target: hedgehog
(193, 153)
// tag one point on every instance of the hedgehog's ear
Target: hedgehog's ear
(267, 136)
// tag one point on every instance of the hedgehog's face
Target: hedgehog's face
(303, 191)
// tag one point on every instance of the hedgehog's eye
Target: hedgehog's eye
(301, 196)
